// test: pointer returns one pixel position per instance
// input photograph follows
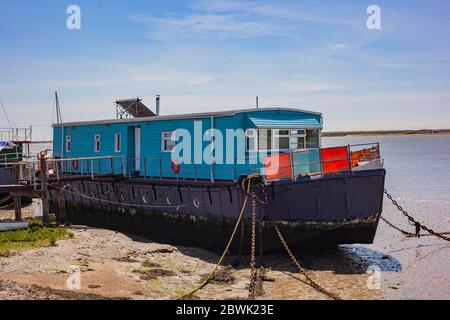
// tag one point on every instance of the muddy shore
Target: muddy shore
(117, 266)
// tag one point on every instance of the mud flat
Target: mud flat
(117, 266)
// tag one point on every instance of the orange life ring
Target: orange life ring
(175, 166)
(75, 164)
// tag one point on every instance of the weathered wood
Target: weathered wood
(16, 188)
(61, 206)
(44, 192)
(18, 207)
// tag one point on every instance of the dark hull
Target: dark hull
(338, 209)
(6, 178)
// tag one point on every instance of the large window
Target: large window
(281, 139)
(97, 143)
(168, 141)
(68, 143)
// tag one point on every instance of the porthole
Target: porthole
(145, 198)
(168, 201)
(94, 194)
(123, 196)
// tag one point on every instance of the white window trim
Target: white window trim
(163, 140)
(68, 143)
(99, 139)
(118, 142)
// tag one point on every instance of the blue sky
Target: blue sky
(208, 55)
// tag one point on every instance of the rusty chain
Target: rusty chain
(417, 224)
(405, 233)
(311, 282)
(254, 271)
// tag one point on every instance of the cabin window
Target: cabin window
(251, 138)
(168, 141)
(68, 143)
(118, 142)
(264, 139)
(312, 139)
(284, 139)
(97, 143)
(297, 139)
(281, 139)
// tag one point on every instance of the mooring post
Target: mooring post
(17, 207)
(61, 205)
(44, 192)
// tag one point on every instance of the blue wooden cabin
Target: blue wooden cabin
(144, 146)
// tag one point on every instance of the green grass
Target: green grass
(34, 237)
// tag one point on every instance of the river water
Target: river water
(418, 176)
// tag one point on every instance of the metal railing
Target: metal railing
(23, 134)
(163, 168)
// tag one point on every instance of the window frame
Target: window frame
(164, 138)
(97, 142)
(68, 146)
(118, 142)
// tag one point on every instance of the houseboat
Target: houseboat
(178, 178)
(14, 148)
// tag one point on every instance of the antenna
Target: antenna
(6, 115)
(58, 109)
(257, 102)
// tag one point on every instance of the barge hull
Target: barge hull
(337, 209)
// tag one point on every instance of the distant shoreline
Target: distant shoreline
(357, 133)
(385, 132)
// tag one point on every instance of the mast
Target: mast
(58, 109)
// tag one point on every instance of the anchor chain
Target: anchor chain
(254, 271)
(311, 282)
(417, 224)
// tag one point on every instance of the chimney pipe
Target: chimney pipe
(158, 100)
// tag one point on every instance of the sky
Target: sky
(211, 55)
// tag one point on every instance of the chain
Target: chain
(418, 225)
(312, 283)
(405, 233)
(254, 271)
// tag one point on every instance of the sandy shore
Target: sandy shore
(113, 265)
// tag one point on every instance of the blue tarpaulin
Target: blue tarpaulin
(7, 145)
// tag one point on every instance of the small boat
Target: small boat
(178, 178)
(11, 226)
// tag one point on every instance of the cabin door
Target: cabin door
(137, 148)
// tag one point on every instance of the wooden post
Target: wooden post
(44, 192)
(17, 207)
(61, 206)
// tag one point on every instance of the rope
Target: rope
(241, 214)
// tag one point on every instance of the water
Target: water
(417, 166)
